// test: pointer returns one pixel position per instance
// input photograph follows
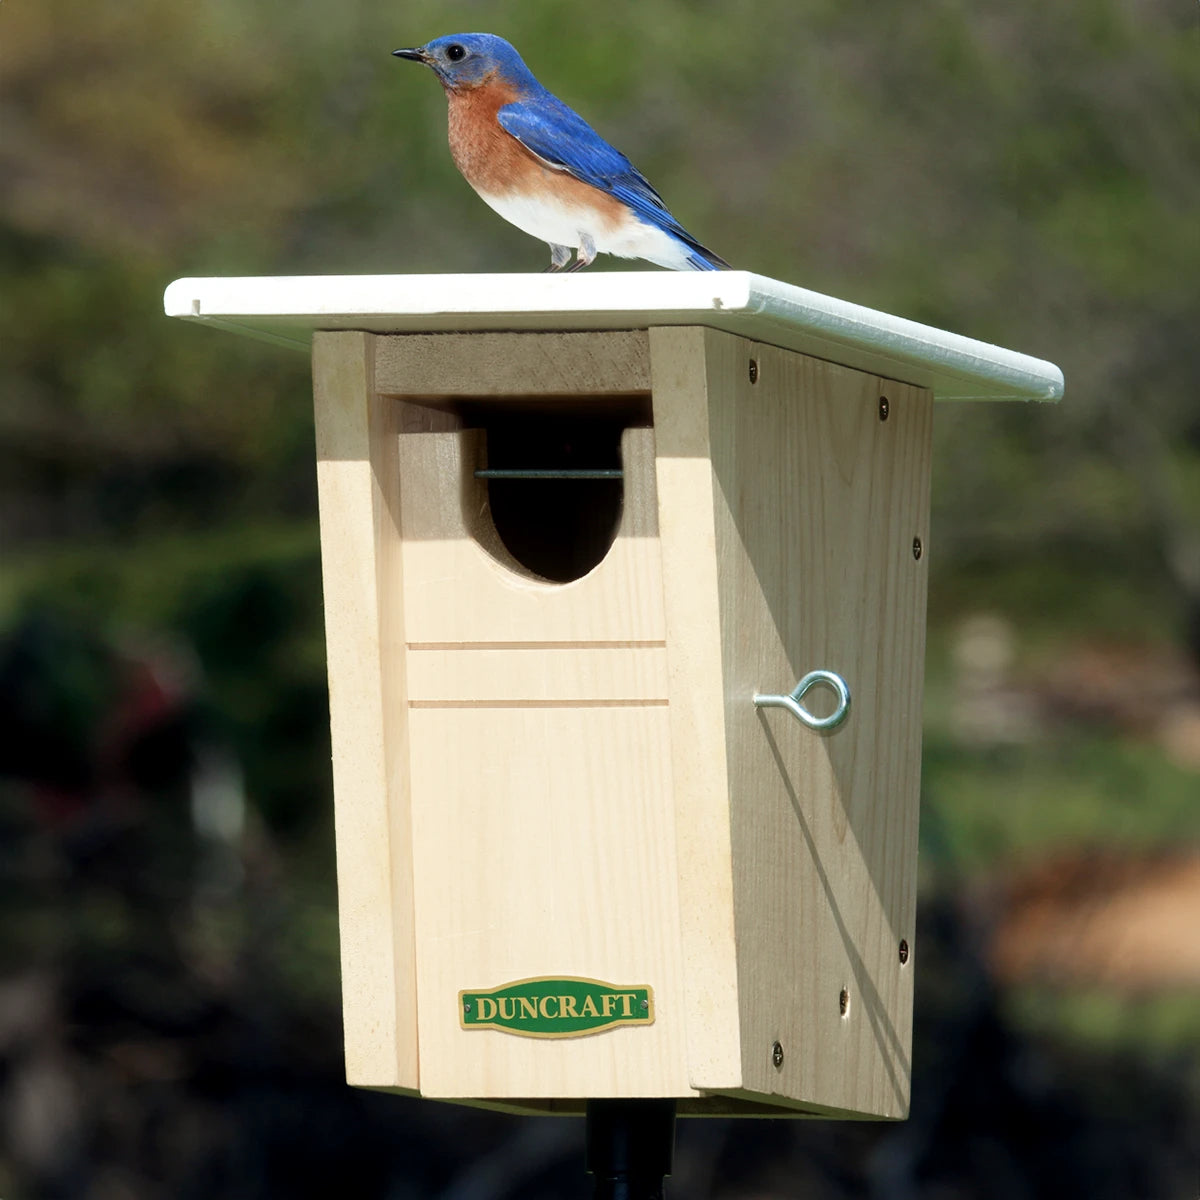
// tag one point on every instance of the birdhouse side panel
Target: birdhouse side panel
(822, 481)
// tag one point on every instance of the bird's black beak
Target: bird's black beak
(417, 54)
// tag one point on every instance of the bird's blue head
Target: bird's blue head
(467, 60)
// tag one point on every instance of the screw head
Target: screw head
(918, 549)
(844, 1002)
(903, 951)
(754, 370)
(777, 1055)
(467, 1005)
(645, 1003)
(884, 408)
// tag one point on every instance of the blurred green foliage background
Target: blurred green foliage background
(1026, 174)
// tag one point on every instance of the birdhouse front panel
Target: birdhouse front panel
(542, 803)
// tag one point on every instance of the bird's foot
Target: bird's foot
(559, 257)
(586, 255)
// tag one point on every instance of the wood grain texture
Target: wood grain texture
(817, 504)
(356, 473)
(548, 848)
(481, 365)
(538, 674)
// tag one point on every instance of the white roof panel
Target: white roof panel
(287, 309)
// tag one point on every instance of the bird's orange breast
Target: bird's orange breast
(495, 163)
(490, 159)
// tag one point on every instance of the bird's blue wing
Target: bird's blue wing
(560, 137)
(563, 139)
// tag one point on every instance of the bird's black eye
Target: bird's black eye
(455, 52)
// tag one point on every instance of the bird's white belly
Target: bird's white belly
(564, 223)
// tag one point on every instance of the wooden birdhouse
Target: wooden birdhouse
(625, 582)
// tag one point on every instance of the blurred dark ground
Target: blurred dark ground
(169, 1009)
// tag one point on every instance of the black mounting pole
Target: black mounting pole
(630, 1145)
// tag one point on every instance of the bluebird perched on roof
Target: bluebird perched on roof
(542, 166)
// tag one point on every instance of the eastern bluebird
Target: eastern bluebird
(542, 166)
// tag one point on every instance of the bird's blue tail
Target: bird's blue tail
(701, 259)
(698, 257)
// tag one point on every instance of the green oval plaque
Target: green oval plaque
(556, 1007)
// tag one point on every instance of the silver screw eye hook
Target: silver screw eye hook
(792, 700)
